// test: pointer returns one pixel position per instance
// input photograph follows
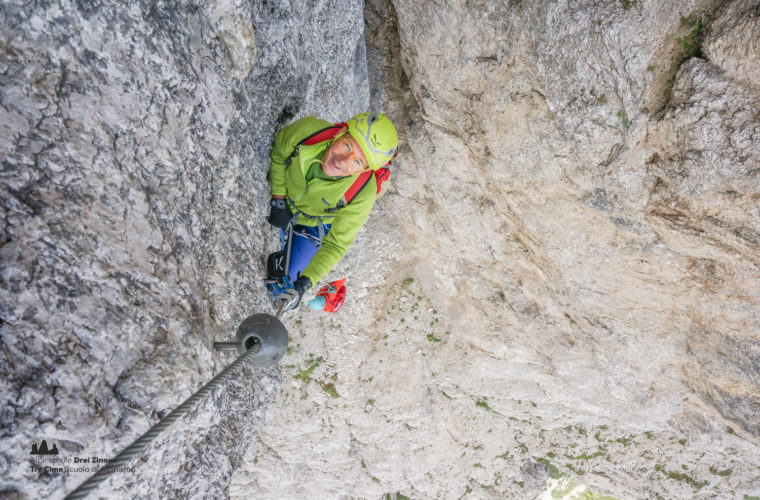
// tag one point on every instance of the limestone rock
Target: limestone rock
(733, 41)
(574, 296)
(134, 142)
(559, 294)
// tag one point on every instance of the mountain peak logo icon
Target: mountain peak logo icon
(43, 449)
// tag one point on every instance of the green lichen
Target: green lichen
(625, 441)
(687, 46)
(585, 456)
(690, 42)
(722, 473)
(554, 472)
(577, 471)
(305, 375)
(679, 476)
(432, 338)
(329, 388)
(392, 496)
(623, 118)
(481, 403)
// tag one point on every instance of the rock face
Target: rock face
(574, 289)
(560, 291)
(134, 154)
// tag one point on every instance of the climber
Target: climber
(322, 192)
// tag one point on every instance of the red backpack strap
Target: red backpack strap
(325, 134)
(357, 186)
(381, 175)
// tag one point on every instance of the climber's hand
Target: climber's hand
(299, 288)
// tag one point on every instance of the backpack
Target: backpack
(382, 174)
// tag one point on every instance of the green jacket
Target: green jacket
(319, 196)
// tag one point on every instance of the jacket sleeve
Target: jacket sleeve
(284, 144)
(343, 231)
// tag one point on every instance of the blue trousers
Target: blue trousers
(305, 244)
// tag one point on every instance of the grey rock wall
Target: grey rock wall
(732, 41)
(569, 305)
(559, 294)
(134, 154)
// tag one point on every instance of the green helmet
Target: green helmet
(376, 136)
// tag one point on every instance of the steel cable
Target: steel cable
(135, 448)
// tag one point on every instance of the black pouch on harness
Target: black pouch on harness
(276, 265)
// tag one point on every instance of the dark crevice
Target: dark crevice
(685, 44)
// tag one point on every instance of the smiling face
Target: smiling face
(344, 157)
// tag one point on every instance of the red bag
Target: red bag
(334, 294)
